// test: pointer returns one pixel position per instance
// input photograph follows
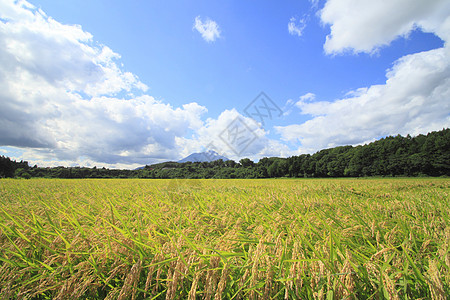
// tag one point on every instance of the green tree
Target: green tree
(245, 162)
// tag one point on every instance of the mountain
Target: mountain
(208, 156)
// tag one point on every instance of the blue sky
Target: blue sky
(122, 84)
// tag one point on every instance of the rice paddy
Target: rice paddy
(225, 239)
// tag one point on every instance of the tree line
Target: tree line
(423, 155)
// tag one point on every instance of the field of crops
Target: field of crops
(225, 239)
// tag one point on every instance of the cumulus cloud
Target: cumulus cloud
(296, 27)
(234, 136)
(208, 29)
(231, 134)
(65, 98)
(365, 25)
(414, 98)
(306, 98)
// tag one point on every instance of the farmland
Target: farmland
(224, 239)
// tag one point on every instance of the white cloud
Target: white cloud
(366, 25)
(296, 27)
(62, 98)
(218, 134)
(63, 102)
(209, 29)
(306, 98)
(314, 3)
(287, 108)
(413, 100)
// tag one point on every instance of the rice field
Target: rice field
(225, 239)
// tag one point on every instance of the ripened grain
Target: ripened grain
(223, 239)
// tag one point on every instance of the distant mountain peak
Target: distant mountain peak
(206, 156)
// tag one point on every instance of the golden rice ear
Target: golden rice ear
(193, 290)
(435, 283)
(131, 281)
(389, 285)
(269, 282)
(222, 282)
(177, 279)
(151, 271)
(212, 277)
(113, 294)
(443, 252)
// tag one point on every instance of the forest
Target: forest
(422, 155)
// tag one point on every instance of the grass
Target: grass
(225, 239)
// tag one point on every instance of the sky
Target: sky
(121, 84)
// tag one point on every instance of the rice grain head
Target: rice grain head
(222, 282)
(435, 283)
(390, 286)
(131, 281)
